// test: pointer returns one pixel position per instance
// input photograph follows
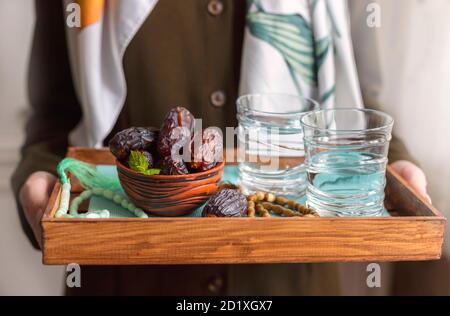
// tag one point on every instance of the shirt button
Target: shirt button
(215, 7)
(218, 98)
(215, 285)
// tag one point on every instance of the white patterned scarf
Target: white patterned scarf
(300, 47)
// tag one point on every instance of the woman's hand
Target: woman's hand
(34, 197)
(413, 175)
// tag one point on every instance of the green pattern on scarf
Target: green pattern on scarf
(293, 38)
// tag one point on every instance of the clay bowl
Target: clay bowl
(164, 195)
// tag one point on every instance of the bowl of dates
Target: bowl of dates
(169, 171)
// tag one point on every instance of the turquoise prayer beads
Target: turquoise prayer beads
(107, 194)
(95, 184)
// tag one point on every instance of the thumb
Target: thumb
(34, 197)
(414, 176)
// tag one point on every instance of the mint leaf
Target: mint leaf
(137, 161)
(151, 172)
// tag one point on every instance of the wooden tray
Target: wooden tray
(415, 232)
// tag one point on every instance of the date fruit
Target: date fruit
(226, 203)
(133, 138)
(206, 149)
(175, 131)
(169, 166)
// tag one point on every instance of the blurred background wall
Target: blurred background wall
(415, 56)
(405, 67)
(21, 271)
(414, 50)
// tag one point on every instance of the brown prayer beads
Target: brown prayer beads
(261, 204)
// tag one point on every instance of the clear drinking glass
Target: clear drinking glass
(270, 142)
(346, 152)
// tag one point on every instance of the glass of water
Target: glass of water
(270, 143)
(346, 152)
